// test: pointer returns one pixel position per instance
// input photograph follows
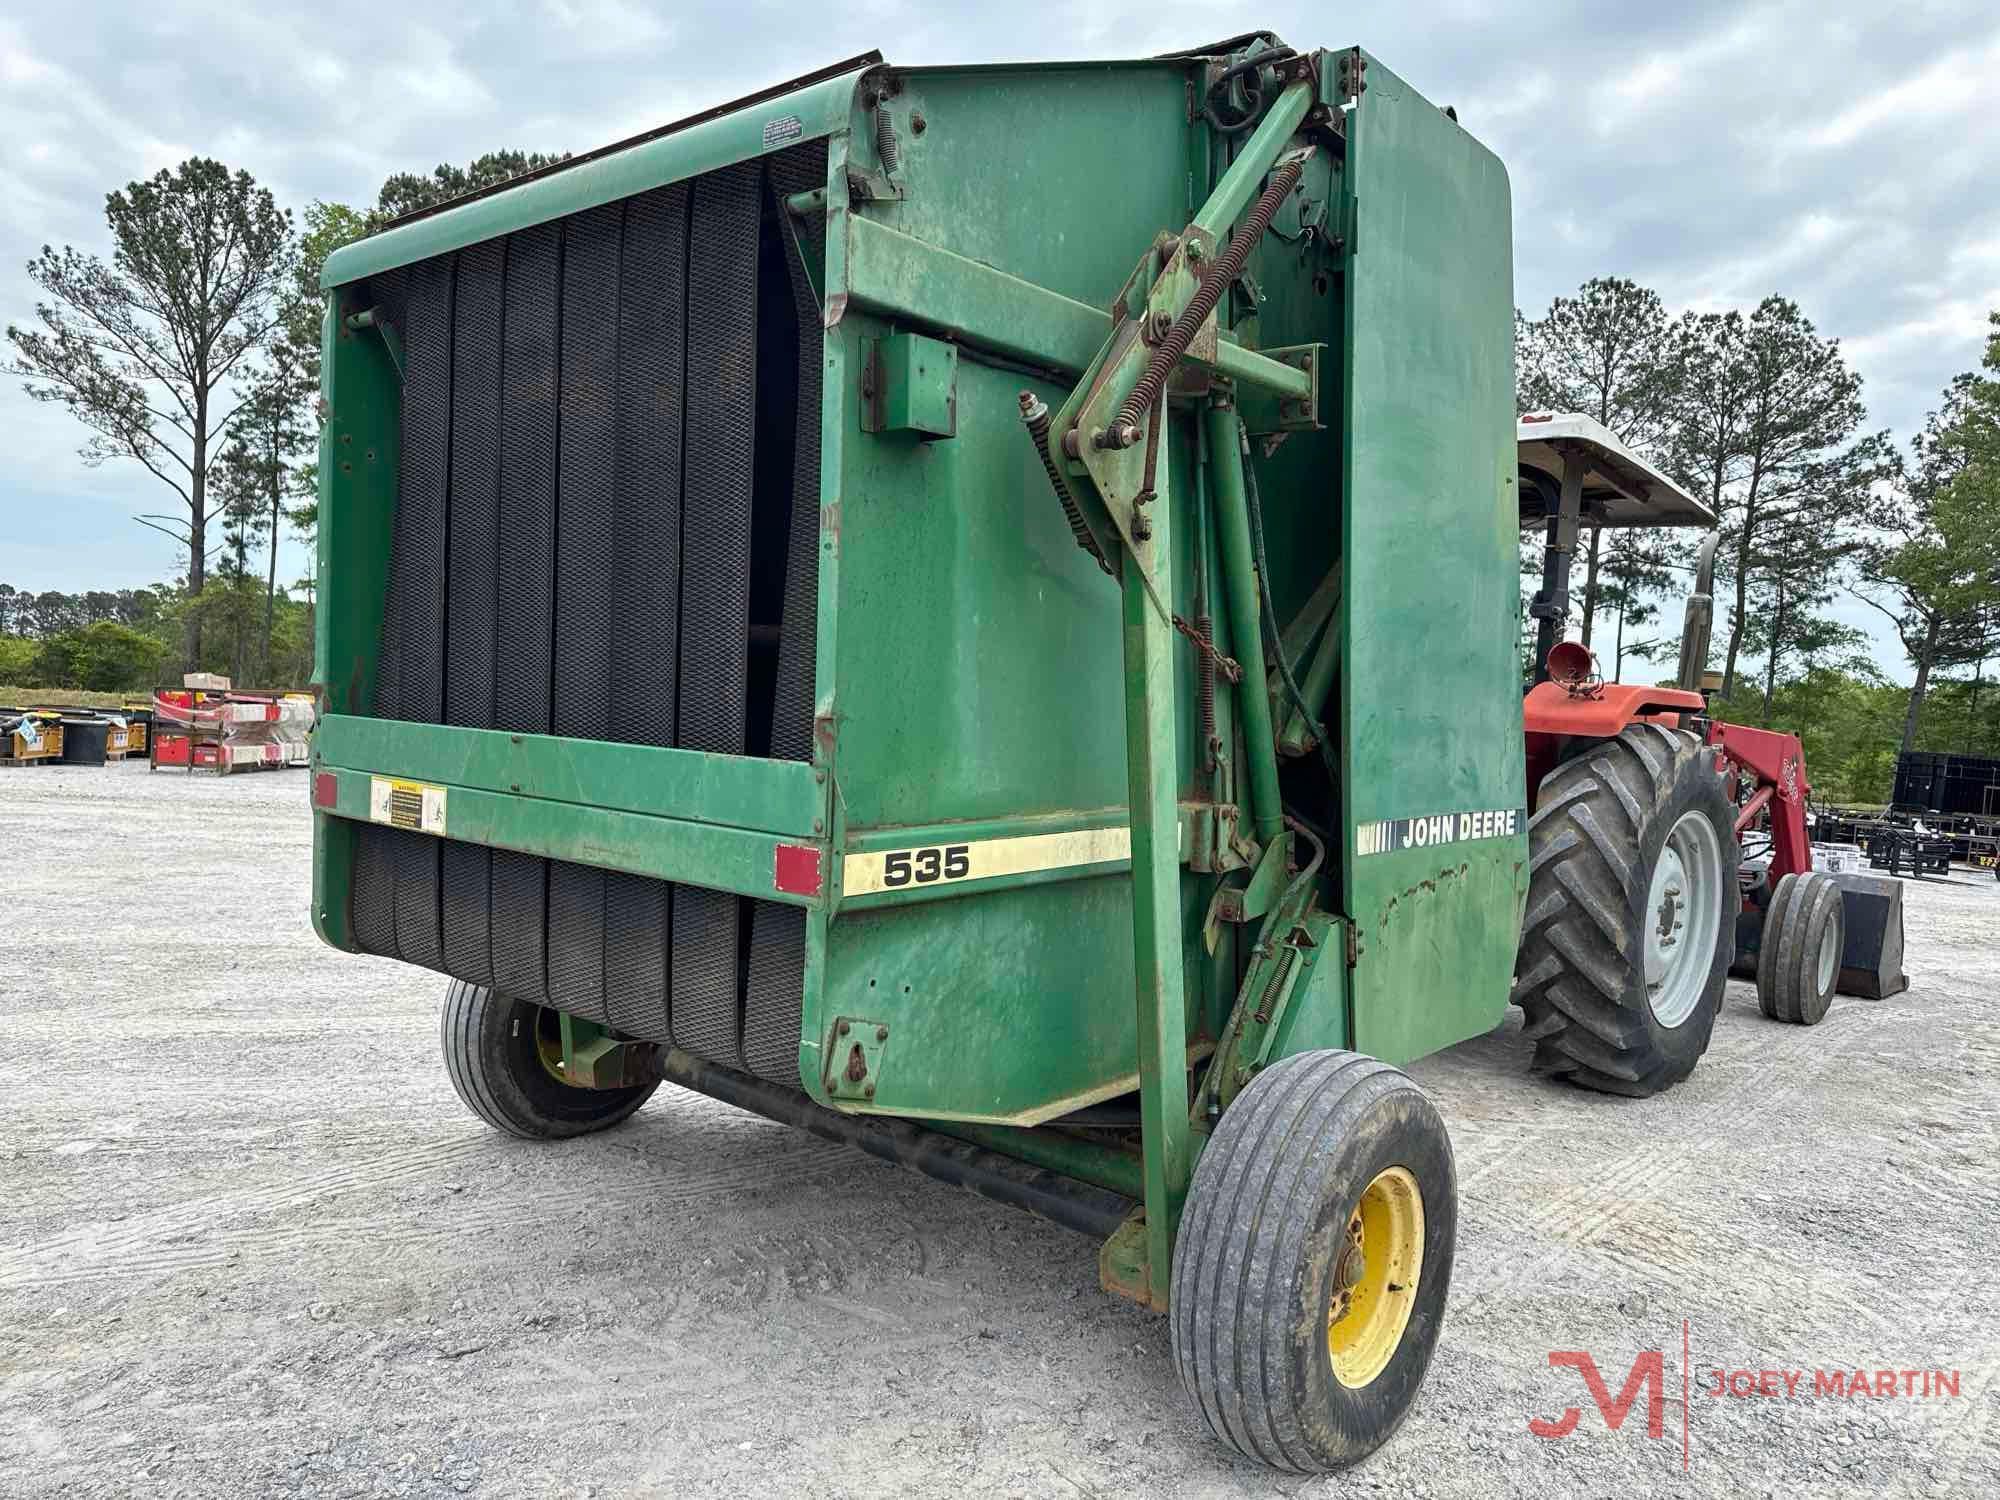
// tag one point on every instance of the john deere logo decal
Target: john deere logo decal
(1436, 829)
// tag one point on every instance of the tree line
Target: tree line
(191, 350)
(1761, 416)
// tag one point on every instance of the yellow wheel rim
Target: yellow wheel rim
(1376, 1269)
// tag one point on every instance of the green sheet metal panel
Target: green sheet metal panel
(714, 855)
(1430, 698)
(1006, 1006)
(1059, 174)
(971, 653)
(740, 791)
(360, 446)
(976, 676)
(977, 669)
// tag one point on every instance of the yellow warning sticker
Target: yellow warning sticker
(415, 805)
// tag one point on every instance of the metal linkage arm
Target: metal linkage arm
(1124, 431)
(1168, 313)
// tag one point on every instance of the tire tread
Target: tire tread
(1231, 1306)
(477, 1062)
(1575, 975)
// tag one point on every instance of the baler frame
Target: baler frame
(770, 829)
(1264, 935)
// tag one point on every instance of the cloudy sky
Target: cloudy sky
(1843, 154)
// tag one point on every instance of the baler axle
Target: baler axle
(1061, 1200)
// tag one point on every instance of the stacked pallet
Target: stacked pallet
(225, 731)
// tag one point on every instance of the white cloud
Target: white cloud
(1952, 85)
(1673, 75)
(605, 28)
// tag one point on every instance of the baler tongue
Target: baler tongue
(1871, 955)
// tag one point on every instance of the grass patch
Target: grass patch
(39, 697)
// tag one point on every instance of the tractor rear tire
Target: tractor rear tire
(1314, 1257)
(498, 1052)
(1798, 960)
(1631, 919)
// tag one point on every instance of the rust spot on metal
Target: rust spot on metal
(1422, 887)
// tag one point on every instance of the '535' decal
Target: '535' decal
(1083, 850)
(922, 866)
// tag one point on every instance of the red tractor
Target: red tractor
(1647, 882)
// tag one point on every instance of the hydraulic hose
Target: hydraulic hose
(1253, 93)
(1291, 683)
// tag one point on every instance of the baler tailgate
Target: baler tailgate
(639, 569)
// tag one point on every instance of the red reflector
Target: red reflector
(797, 870)
(326, 790)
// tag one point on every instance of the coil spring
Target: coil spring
(1035, 416)
(1213, 285)
(1205, 678)
(886, 145)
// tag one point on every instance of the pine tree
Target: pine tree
(145, 349)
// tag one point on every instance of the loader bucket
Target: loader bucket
(1871, 954)
(1871, 958)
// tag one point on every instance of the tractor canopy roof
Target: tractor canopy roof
(1619, 487)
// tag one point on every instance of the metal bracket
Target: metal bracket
(592, 1058)
(1123, 1265)
(1351, 75)
(1209, 837)
(910, 384)
(1120, 474)
(1265, 411)
(864, 186)
(1248, 902)
(854, 1059)
(1277, 967)
(1111, 425)
(391, 339)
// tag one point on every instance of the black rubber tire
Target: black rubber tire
(1788, 984)
(490, 1054)
(1254, 1266)
(1601, 820)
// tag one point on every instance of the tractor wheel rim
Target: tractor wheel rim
(1682, 918)
(1829, 959)
(1376, 1271)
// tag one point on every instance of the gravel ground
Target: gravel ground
(251, 1244)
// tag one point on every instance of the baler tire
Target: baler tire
(1599, 833)
(1313, 1145)
(1798, 959)
(494, 1062)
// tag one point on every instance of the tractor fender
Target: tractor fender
(1604, 713)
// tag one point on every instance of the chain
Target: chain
(1226, 665)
